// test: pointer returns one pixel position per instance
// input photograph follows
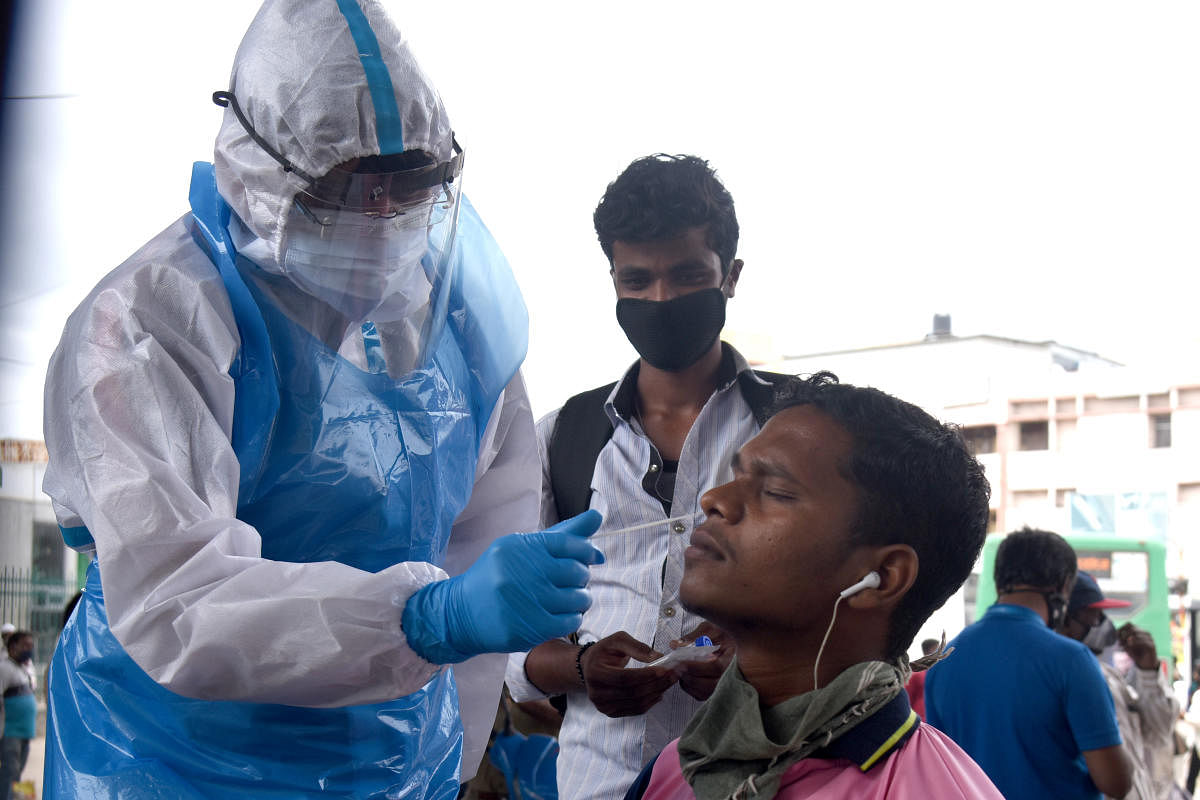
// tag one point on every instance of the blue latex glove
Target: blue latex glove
(525, 589)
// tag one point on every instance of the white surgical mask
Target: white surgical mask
(365, 267)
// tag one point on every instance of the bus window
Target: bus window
(1122, 575)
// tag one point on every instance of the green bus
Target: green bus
(1126, 569)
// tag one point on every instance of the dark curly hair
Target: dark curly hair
(919, 486)
(660, 197)
(1032, 557)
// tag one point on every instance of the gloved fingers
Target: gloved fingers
(554, 625)
(562, 545)
(583, 525)
(565, 573)
(565, 601)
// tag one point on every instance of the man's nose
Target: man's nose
(722, 501)
(661, 291)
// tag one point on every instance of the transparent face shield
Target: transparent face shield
(384, 187)
(372, 239)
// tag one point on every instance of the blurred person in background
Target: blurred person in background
(1145, 706)
(1030, 706)
(20, 709)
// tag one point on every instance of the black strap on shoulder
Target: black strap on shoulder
(580, 433)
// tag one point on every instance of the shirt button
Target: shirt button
(679, 527)
(669, 611)
(654, 467)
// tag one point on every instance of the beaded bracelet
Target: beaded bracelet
(579, 662)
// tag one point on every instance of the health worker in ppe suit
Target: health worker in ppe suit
(280, 426)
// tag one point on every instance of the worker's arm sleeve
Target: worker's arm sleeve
(1156, 705)
(519, 685)
(139, 416)
(1088, 703)
(503, 500)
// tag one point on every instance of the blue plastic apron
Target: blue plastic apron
(337, 464)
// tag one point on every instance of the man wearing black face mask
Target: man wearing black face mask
(1030, 706)
(644, 450)
(1146, 708)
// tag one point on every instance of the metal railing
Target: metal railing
(37, 606)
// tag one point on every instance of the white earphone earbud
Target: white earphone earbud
(871, 581)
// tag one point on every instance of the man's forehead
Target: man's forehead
(689, 248)
(803, 442)
(764, 461)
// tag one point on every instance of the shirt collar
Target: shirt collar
(1014, 611)
(621, 401)
(871, 741)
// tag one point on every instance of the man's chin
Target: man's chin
(698, 603)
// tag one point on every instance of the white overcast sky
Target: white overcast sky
(1031, 168)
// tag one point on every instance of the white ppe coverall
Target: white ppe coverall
(264, 482)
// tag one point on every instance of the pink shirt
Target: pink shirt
(929, 766)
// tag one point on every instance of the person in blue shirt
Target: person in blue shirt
(20, 710)
(1030, 706)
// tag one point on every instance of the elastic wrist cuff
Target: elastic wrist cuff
(423, 622)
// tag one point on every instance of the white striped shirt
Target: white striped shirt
(636, 590)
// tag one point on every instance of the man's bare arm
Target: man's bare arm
(1110, 770)
(551, 667)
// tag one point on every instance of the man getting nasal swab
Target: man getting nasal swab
(849, 519)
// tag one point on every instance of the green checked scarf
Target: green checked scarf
(733, 749)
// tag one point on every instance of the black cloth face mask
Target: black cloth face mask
(672, 335)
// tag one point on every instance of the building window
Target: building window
(1034, 436)
(980, 438)
(1160, 430)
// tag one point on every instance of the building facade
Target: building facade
(1065, 436)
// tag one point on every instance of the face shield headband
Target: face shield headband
(378, 186)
